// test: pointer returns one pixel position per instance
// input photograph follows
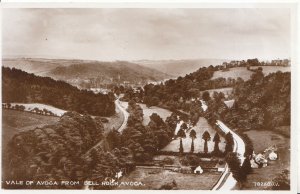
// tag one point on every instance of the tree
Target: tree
(183, 126)
(181, 134)
(246, 168)
(234, 165)
(206, 138)
(113, 138)
(217, 140)
(229, 143)
(180, 146)
(193, 136)
(206, 96)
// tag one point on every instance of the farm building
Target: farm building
(198, 170)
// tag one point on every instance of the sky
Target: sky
(110, 34)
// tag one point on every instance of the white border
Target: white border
(293, 4)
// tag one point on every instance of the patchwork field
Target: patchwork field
(16, 121)
(262, 140)
(163, 113)
(200, 128)
(154, 178)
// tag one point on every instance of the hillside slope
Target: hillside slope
(79, 71)
(52, 152)
(21, 87)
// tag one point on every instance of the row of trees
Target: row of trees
(19, 86)
(22, 108)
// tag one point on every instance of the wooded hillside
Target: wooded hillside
(22, 87)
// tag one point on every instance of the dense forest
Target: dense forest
(22, 87)
(263, 102)
(52, 152)
(143, 141)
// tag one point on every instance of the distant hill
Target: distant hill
(107, 72)
(180, 67)
(78, 71)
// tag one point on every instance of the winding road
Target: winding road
(121, 128)
(125, 114)
(227, 182)
(121, 108)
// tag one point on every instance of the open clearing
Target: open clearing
(245, 74)
(163, 113)
(233, 73)
(262, 140)
(273, 69)
(200, 128)
(31, 106)
(15, 121)
(154, 178)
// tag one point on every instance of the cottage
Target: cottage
(253, 164)
(260, 160)
(273, 156)
(271, 153)
(198, 170)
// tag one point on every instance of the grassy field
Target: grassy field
(200, 128)
(31, 106)
(163, 113)
(246, 74)
(261, 140)
(272, 69)
(154, 178)
(233, 73)
(15, 121)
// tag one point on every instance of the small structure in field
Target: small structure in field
(198, 170)
(273, 156)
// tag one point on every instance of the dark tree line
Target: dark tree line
(22, 87)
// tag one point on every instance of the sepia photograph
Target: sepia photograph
(163, 98)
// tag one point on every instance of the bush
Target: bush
(191, 160)
(168, 161)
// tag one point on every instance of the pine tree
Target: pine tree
(181, 147)
(229, 143)
(217, 140)
(206, 138)
(193, 136)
